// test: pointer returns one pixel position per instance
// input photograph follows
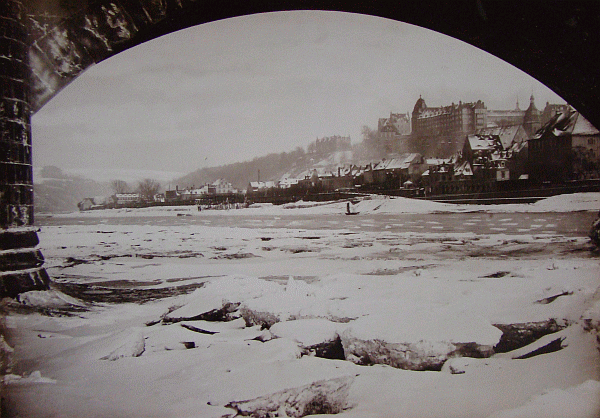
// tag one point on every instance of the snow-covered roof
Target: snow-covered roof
(401, 162)
(463, 169)
(584, 127)
(484, 142)
(262, 184)
(194, 191)
(566, 123)
(507, 134)
(437, 161)
(288, 182)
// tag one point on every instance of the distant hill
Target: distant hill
(57, 192)
(271, 167)
(268, 167)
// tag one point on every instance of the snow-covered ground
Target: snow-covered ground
(196, 320)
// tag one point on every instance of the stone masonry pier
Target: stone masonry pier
(21, 263)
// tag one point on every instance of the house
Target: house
(586, 136)
(586, 149)
(286, 183)
(89, 203)
(478, 148)
(222, 186)
(463, 171)
(490, 160)
(126, 199)
(516, 160)
(260, 186)
(551, 110)
(343, 179)
(438, 177)
(567, 147)
(508, 134)
(171, 195)
(395, 171)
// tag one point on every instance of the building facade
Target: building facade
(396, 124)
(567, 147)
(550, 157)
(551, 110)
(505, 117)
(461, 118)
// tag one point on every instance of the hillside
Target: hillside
(57, 192)
(273, 167)
(268, 167)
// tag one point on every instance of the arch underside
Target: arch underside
(553, 41)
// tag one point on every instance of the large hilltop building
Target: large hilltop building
(467, 118)
(440, 131)
(461, 118)
(530, 118)
(505, 117)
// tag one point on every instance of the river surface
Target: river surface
(555, 223)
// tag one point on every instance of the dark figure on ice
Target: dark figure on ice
(350, 211)
(595, 232)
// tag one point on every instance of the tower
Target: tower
(532, 120)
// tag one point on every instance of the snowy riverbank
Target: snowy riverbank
(374, 204)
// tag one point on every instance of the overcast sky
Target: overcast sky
(240, 88)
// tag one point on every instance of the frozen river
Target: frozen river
(570, 224)
(269, 311)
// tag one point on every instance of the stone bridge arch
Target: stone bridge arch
(45, 44)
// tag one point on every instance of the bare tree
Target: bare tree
(147, 188)
(119, 186)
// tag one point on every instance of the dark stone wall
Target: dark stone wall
(16, 183)
(21, 263)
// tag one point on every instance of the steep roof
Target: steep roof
(484, 142)
(571, 122)
(463, 169)
(583, 126)
(401, 162)
(507, 134)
